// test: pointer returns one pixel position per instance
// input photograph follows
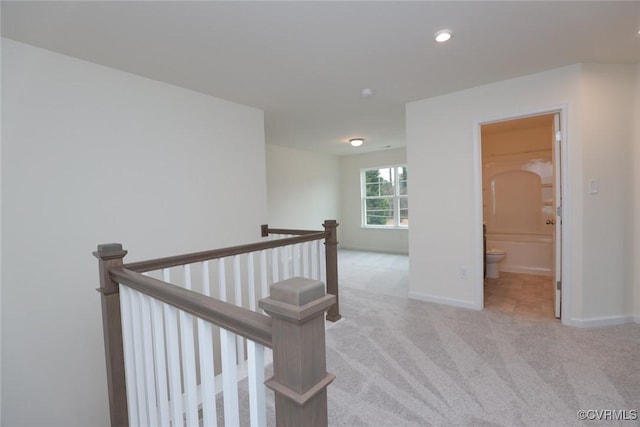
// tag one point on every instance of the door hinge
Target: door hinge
(558, 136)
(559, 285)
(559, 211)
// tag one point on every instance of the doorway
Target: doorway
(520, 169)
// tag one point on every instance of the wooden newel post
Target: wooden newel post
(300, 378)
(331, 256)
(110, 256)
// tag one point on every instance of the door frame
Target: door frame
(478, 253)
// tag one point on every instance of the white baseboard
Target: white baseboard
(377, 250)
(538, 271)
(594, 322)
(442, 300)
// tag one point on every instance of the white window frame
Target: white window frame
(395, 198)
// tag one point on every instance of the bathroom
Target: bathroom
(518, 209)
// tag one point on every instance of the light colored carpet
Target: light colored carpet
(407, 363)
(381, 273)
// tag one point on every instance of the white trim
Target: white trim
(384, 250)
(442, 300)
(594, 322)
(395, 198)
(525, 238)
(478, 288)
(523, 269)
(566, 207)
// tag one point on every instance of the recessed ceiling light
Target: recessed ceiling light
(356, 142)
(366, 92)
(442, 36)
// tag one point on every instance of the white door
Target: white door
(557, 235)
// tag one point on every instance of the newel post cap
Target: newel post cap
(109, 251)
(297, 299)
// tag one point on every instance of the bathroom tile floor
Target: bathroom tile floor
(520, 294)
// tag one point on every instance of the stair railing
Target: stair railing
(173, 338)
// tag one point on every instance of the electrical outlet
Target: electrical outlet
(464, 273)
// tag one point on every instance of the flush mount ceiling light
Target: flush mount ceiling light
(356, 142)
(442, 36)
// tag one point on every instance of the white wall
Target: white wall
(93, 155)
(351, 233)
(636, 254)
(607, 140)
(0, 228)
(303, 188)
(440, 147)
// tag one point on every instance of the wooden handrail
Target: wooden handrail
(239, 320)
(173, 261)
(295, 331)
(331, 258)
(266, 231)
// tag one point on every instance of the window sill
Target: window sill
(382, 227)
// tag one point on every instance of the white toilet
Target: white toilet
(494, 256)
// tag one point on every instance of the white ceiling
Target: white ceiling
(305, 63)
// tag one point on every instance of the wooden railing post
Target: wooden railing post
(300, 378)
(331, 255)
(110, 256)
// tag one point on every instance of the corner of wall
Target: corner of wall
(453, 302)
(1, 41)
(303, 187)
(636, 183)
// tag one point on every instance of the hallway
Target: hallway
(377, 272)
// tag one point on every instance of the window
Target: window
(385, 202)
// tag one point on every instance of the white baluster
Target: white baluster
(207, 373)
(287, 261)
(297, 249)
(206, 286)
(314, 260)
(138, 357)
(189, 369)
(173, 359)
(251, 281)
(274, 265)
(129, 356)
(148, 357)
(237, 284)
(257, 402)
(188, 359)
(264, 287)
(229, 377)
(161, 363)
(237, 280)
(187, 276)
(305, 259)
(222, 280)
(264, 281)
(323, 263)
